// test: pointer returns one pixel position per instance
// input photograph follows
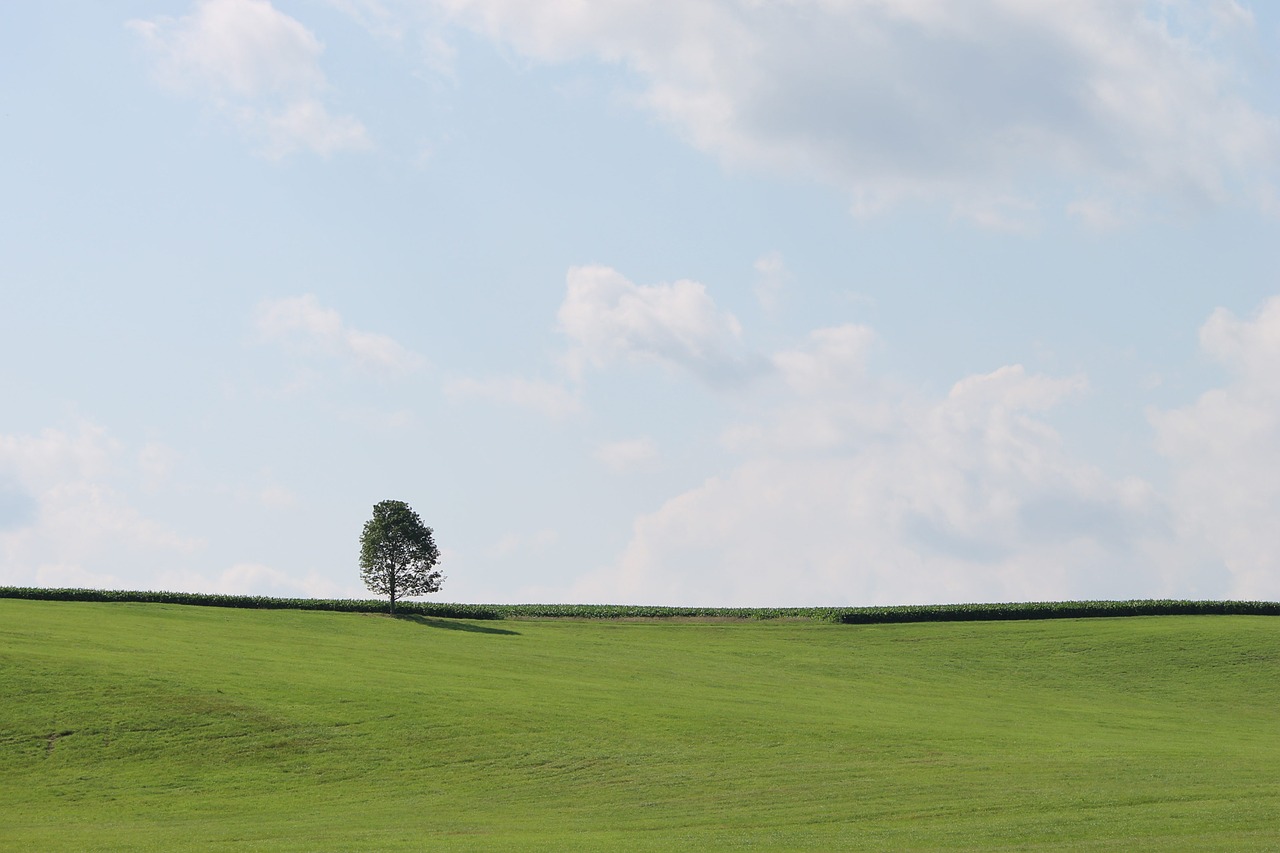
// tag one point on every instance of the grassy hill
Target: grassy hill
(163, 727)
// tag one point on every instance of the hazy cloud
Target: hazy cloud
(1224, 450)
(851, 492)
(302, 324)
(627, 454)
(610, 319)
(250, 578)
(773, 279)
(546, 398)
(156, 462)
(516, 543)
(73, 522)
(257, 66)
(832, 357)
(17, 505)
(973, 104)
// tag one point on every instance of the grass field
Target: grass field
(164, 727)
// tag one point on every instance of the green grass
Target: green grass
(162, 727)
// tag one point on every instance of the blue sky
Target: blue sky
(707, 302)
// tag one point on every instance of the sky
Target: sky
(707, 303)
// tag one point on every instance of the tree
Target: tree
(398, 554)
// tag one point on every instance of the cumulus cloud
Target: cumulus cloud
(850, 492)
(609, 319)
(975, 104)
(547, 398)
(69, 516)
(1224, 450)
(826, 390)
(833, 357)
(63, 517)
(302, 324)
(259, 67)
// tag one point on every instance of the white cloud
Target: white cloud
(516, 543)
(308, 122)
(68, 522)
(18, 506)
(156, 462)
(257, 66)
(627, 454)
(610, 319)
(829, 398)
(852, 492)
(277, 497)
(834, 357)
(971, 103)
(553, 401)
(774, 278)
(1011, 389)
(302, 324)
(1251, 348)
(373, 16)
(1098, 214)
(1228, 15)
(250, 578)
(1225, 453)
(998, 212)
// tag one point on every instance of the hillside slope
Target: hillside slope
(162, 727)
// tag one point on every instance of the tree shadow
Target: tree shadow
(454, 625)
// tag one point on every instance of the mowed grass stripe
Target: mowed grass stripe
(145, 726)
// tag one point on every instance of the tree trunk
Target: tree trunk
(393, 604)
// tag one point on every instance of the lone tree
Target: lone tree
(397, 554)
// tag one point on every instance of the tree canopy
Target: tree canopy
(398, 553)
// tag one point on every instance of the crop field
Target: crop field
(129, 726)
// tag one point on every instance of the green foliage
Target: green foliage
(250, 602)
(397, 553)
(1051, 610)
(155, 727)
(846, 615)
